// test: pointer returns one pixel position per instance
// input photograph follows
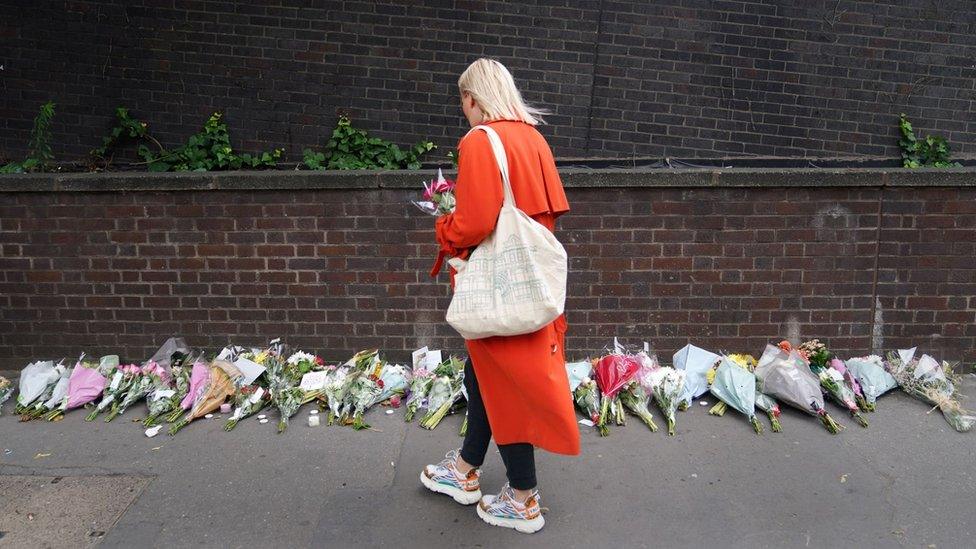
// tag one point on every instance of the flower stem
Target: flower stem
(670, 427)
(756, 426)
(649, 421)
(774, 422)
(859, 419)
(718, 409)
(828, 422)
(175, 428)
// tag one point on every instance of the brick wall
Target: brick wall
(624, 78)
(339, 270)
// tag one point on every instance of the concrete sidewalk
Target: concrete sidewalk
(908, 480)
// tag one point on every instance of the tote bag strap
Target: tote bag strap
(502, 160)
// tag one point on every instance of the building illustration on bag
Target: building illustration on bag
(514, 280)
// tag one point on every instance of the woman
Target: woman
(518, 391)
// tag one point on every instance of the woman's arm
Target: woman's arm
(479, 197)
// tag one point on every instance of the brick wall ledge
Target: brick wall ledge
(572, 178)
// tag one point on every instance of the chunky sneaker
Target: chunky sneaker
(444, 478)
(504, 510)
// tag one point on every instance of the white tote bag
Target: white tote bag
(515, 280)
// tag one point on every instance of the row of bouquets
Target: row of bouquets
(179, 386)
(803, 377)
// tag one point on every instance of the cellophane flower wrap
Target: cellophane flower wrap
(395, 380)
(636, 399)
(445, 391)
(872, 377)
(667, 385)
(736, 386)
(199, 378)
(285, 382)
(786, 375)
(419, 387)
(161, 391)
(35, 379)
(139, 389)
(52, 397)
(168, 406)
(613, 372)
(851, 381)
(335, 390)
(85, 385)
(248, 400)
(696, 363)
(122, 378)
(288, 400)
(6, 389)
(438, 197)
(587, 398)
(363, 387)
(933, 383)
(764, 402)
(219, 387)
(832, 381)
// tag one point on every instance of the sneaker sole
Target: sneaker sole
(457, 494)
(520, 525)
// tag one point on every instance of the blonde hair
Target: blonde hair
(493, 89)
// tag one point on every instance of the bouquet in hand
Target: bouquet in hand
(208, 398)
(419, 387)
(438, 196)
(444, 392)
(736, 386)
(832, 381)
(52, 397)
(6, 389)
(34, 382)
(637, 400)
(666, 386)
(613, 372)
(587, 397)
(85, 385)
(787, 376)
(139, 389)
(871, 376)
(248, 400)
(933, 383)
(122, 379)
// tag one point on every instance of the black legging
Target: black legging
(519, 458)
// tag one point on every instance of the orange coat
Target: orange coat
(522, 378)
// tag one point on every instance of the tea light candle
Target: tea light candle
(313, 421)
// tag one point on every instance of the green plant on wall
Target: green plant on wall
(931, 152)
(126, 129)
(208, 150)
(39, 155)
(350, 148)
